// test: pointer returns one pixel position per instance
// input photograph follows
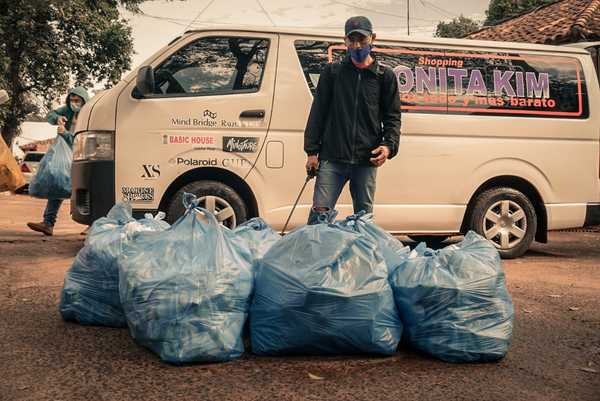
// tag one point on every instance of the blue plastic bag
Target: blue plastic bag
(90, 294)
(186, 291)
(256, 236)
(323, 289)
(454, 303)
(392, 250)
(53, 177)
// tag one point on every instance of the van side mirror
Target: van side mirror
(3, 96)
(145, 81)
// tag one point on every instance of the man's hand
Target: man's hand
(381, 155)
(61, 120)
(61, 129)
(312, 164)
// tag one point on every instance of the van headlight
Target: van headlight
(94, 145)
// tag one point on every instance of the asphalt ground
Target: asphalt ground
(555, 354)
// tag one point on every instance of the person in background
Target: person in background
(65, 117)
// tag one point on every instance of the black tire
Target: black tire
(517, 203)
(215, 189)
(432, 241)
(23, 190)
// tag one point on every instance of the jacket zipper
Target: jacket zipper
(355, 115)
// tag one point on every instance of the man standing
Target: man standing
(354, 123)
(66, 119)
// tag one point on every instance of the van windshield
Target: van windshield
(213, 65)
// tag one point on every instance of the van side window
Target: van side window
(214, 65)
(595, 51)
(516, 84)
(487, 83)
(420, 90)
(313, 56)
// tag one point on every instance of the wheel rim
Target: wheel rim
(222, 210)
(505, 224)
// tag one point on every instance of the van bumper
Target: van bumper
(93, 193)
(592, 215)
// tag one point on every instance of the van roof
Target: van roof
(382, 35)
(583, 45)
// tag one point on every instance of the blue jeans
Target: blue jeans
(331, 179)
(51, 211)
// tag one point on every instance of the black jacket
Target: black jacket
(354, 111)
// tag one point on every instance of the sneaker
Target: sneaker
(41, 228)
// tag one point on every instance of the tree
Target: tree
(457, 28)
(45, 45)
(501, 10)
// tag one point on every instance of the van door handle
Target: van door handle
(252, 114)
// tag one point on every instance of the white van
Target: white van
(501, 138)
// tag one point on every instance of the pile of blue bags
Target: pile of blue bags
(186, 290)
(53, 177)
(90, 294)
(323, 289)
(454, 303)
(346, 287)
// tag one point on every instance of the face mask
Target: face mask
(360, 55)
(75, 107)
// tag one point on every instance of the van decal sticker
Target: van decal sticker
(194, 122)
(137, 194)
(188, 140)
(473, 82)
(150, 171)
(237, 144)
(190, 161)
(236, 163)
(204, 122)
(210, 114)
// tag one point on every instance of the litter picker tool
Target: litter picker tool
(310, 174)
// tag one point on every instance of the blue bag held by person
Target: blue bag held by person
(186, 290)
(53, 177)
(392, 250)
(323, 289)
(454, 303)
(90, 294)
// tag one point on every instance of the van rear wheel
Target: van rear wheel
(222, 200)
(507, 218)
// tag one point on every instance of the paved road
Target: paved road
(555, 287)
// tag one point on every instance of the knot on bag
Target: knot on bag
(159, 216)
(355, 217)
(190, 201)
(326, 217)
(257, 224)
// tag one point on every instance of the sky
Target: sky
(162, 21)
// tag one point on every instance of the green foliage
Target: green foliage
(48, 45)
(457, 28)
(500, 10)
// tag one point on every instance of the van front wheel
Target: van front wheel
(228, 207)
(506, 217)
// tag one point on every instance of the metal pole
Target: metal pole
(408, 16)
